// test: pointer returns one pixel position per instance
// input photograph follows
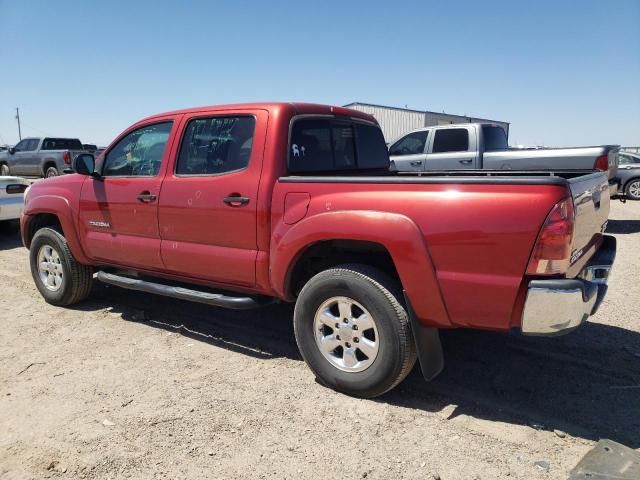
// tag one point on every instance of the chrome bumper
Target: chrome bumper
(558, 306)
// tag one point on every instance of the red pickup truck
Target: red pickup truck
(240, 205)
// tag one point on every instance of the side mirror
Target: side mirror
(12, 150)
(84, 164)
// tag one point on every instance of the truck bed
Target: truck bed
(589, 190)
(515, 177)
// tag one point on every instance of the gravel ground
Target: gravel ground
(127, 385)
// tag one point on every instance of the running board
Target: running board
(215, 299)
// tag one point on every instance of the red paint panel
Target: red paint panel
(115, 226)
(479, 238)
(295, 207)
(201, 234)
(225, 265)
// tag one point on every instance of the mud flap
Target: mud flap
(428, 345)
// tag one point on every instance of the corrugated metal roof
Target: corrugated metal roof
(350, 105)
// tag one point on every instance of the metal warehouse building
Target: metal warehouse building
(396, 121)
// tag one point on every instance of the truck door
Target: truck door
(32, 164)
(208, 204)
(452, 148)
(409, 153)
(19, 161)
(118, 220)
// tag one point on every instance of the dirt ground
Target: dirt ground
(127, 385)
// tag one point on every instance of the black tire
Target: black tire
(51, 172)
(382, 297)
(4, 170)
(76, 280)
(631, 191)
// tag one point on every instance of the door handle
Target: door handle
(236, 200)
(147, 197)
(465, 162)
(416, 163)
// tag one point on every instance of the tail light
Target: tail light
(602, 163)
(67, 157)
(16, 188)
(552, 251)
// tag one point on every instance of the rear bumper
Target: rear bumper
(558, 306)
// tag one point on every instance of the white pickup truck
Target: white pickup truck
(484, 146)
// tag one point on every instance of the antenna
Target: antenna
(18, 118)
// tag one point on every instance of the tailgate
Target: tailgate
(74, 154)
(613, 160)
(591, 202)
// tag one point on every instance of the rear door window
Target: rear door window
(411, 144)
(628, 159)
(451, 140)
(328, 144)
(216, 145)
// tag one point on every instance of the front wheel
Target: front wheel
(353, 332)
(60, 279)
(633, 189)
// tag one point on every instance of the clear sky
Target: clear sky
(562, 72)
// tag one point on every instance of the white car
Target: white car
(12, 197)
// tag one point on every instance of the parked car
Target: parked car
(485, 146)
(12, 197)
(40, 157)
(628, 178)
(237, 206)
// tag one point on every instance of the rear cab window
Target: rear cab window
(331, 144)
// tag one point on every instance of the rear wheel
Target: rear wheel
(60, 279)
(4, 170)
(51, 172)
(632, 191)
(353, 332)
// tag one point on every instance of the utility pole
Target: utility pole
(18, 118)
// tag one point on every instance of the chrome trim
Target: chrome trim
(558, 306)
(549, 311)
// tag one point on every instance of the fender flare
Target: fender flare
(60, 207)
(402, 238)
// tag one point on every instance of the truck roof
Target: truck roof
(275, 107)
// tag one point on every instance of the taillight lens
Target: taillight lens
(16, 188)
(552, 252)
(67, 158)
(602, 163)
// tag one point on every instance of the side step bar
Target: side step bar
(215, 299)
